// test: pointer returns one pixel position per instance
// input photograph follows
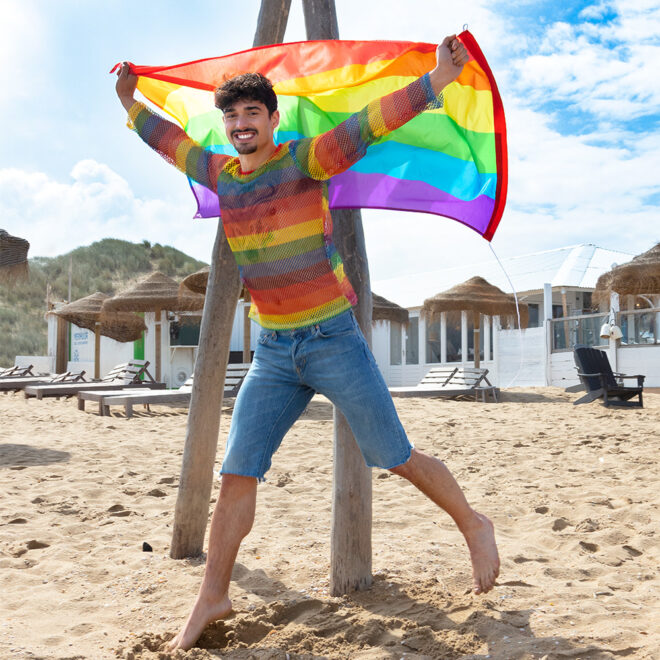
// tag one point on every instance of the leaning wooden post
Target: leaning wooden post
(97, 350)
(223, 289)
(350, 545)
(476, 332)
(192, 505)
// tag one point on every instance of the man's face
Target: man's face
(249, 127)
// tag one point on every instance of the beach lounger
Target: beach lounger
(16, 372)
(597, 377)
(451, 382)
(20, 383)
(132, 374)
(180, 398)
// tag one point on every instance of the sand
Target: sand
(573, 491)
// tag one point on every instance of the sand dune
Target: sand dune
(573, 491)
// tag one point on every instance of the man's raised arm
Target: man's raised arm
(336, 150)
(166, 137)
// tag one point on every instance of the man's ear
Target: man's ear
(275, 119)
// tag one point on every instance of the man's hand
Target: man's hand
(126, 84)
(451, 55)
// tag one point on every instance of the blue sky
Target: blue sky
(579, 81)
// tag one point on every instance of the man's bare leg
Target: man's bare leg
(231, 523)
(432, 478)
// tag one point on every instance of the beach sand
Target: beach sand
(574, 494)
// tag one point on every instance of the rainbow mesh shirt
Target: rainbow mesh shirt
(276, 218)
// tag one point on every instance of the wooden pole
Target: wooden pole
(476, 322)
(159, 340)
(196, 481)
(271, 24)
(97, 350)
(350, 545)
(223, 289)
(247, 329)
(62, 348)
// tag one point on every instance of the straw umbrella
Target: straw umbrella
(637, 277)
(478, 296)
(13, 257)
(155, 293)
(384, 310)
(198, 282)
(86, 313)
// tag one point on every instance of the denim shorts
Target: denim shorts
(288, 368)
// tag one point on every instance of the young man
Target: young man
(274, 204)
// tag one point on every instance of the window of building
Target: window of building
(433, 350)
(454, 339)
(470, 329)
(412, 341)
(395, 343)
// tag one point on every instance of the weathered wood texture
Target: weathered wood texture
(192, 506)
(350, 545)
(271, 24)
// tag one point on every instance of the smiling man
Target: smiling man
(275, 213)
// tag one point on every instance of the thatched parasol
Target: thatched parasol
(155, 293)
(384, 310)
(198, 283)
(637, 277)
(86, 313)
(478, 296)
(13, 257)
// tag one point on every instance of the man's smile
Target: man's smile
(244, 135)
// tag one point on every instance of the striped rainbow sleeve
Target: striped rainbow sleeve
(174, 145)
(330, 153)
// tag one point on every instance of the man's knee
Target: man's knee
(236, 486)
(405, 469)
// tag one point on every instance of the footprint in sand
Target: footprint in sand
(118, 511)
(589, 547)
(36, 545)
(633, 552)
(559, 524)
(17, 521)
(541, 509)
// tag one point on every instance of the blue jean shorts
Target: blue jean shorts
(289, 367)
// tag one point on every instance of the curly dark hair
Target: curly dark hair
(246, 87)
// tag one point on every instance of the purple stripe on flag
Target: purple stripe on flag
(377, 191)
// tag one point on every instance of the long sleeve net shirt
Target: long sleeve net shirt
(277, 218)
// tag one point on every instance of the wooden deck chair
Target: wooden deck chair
(20, 383)
(600, 382)
(451, 382)
(16, 372)
(180, 398)
(133, 374)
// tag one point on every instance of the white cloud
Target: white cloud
(96, 203)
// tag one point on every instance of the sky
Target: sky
(579, 82)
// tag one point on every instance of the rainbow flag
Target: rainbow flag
(450, 161)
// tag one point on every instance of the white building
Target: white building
(556, 284)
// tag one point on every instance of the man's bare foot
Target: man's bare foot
(204, 612)
(480, 538)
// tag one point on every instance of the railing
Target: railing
(583, 329)
(640, 327)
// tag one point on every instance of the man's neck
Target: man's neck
(250, 162)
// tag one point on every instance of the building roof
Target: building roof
(575, 266)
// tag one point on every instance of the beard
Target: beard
(245, 148)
